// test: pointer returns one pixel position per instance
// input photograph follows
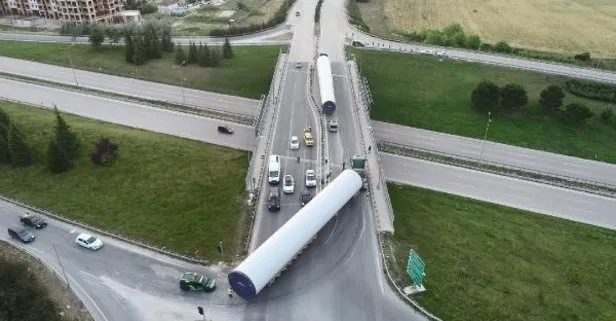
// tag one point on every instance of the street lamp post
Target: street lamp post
(68, 285)
(485, 136)
(182, 80)
(70, 59)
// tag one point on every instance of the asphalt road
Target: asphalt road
(526, 158)
(129, 114)
(539, 198)
(263, 37)
(130, 86)
(123, 282)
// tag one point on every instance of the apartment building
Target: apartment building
(66, 10)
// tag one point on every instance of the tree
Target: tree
(113, 33)
(485, 96)
(141, 51)
(227, 51)
(20, 151)
(5, 121)
(129, 49)
(577, 113)
(459, 39)
(97, 35)
(551, 97)
(607, 113)
(57, 159)
(166, 39)
(180, 56)
(193, 53)
(473, 42)
(104, 152)
(503, 46)
(203, 55)
(513, 96)
(215, 57)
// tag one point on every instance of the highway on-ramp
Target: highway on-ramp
(123, 282)
(497, 153)
(535, 197)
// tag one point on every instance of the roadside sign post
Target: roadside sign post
(415, 268)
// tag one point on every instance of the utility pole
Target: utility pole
(485, 136)
(220, 248)
(61, 266)
(70, 59)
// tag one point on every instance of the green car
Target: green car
(192, 281)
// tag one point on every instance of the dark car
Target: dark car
(33, 220)
(305, 197)
(22, 233)
(225, 130)
(273, 201)
(357, 44)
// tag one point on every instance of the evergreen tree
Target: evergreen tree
(141, 55)
(21, 153)
(204, 55)
(215, 57)
(193, 55)
(227, 51)
(5, 121)
(180, 56)
(129, 49)
(57, 159)
(66, 138)
(166, 39)
(96, 35)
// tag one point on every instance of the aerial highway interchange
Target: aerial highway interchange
(334, 272)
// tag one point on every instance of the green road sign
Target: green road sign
(415, 268)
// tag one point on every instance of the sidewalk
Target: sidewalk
(377, 185)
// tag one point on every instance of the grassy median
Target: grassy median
(425, 92)
(182, 194)
(490, 262)
(248, 74)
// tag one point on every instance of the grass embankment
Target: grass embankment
(490, 262)
(424, 92)
(248, 74)
(181, 194)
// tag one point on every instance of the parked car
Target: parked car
(225, 130)
(33, 220)
(21, 233)
(273, 201)
(192, 281)
(305, 197)
(289, 184)
(297, 13)
(294, 142)
(311, 178)
(88, 241)
(357, 44)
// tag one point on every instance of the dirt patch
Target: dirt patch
(72, 308)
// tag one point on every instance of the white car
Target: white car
(311, 178)
(294, 143)
(288, 186)
(88, 241)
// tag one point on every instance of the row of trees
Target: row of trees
(455, 36)
(512, 97)
(62, 149)
(147, 42)
(203, 55)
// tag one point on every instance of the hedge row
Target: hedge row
(592, 90)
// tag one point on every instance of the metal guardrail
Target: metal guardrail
(500, 169)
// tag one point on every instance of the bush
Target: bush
(585, 56)
(513, 96)
(104, 152)
(577, 113)
(607, 113)
(503, 47)
(591, 89)
(485, 96)
(551, 98)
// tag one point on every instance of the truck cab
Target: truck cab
(192, 281)
(358, 164)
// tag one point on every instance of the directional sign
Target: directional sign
(415, 268)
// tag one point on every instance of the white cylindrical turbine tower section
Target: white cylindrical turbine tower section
(260, 267)
(326, 84)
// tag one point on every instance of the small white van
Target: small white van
(273, 170)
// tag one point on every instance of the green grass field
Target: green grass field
(424, 92)
(248, 74)
(490, 262)
(182, 194)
